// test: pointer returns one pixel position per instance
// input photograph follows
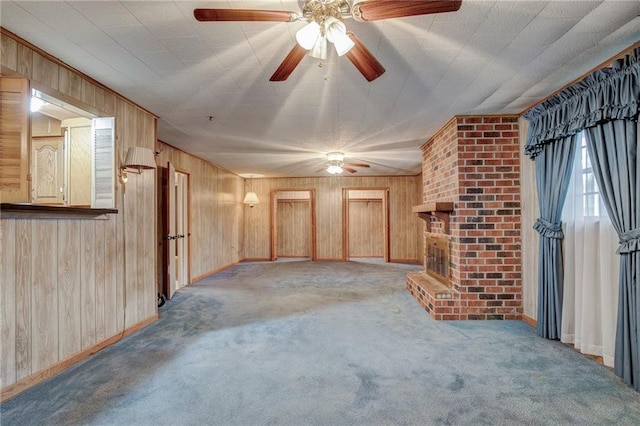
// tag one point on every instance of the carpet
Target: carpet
(324, 343)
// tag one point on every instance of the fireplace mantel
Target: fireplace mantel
(437, 209)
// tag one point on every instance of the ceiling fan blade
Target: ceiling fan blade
(364, 60)
(384, 9)
(289, 64)
(349, 169)
(206, 15)
(356, 165)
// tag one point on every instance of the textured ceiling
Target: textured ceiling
(489, 57)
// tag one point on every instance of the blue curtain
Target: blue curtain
(606, 104)
(613, 147)
(554, 165)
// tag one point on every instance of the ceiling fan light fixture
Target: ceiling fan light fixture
(335, 157)
(307, 36)
(334, 168)
(343, 44)
(319, 49)
(337, 34)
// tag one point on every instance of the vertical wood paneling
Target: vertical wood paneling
(69, 288)
(404, 193)
(88, 92)
(100, 279)
(45, 71)
(88, 299)
(65, 284)
(25, 61)
(70, 83)
(23, 298)
(148, 133)
(7, 305)
(44, 294)
(106, 101)
(9, 53)
(112, 281)
(130, 252)
(215, 212)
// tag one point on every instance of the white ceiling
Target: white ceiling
(489, 57)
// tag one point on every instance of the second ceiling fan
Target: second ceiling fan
(325, 24)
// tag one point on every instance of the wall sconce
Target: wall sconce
(137, 158)
(251, 197)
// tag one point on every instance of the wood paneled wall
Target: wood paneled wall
(70, 286)
(215, 210)
(406, 229)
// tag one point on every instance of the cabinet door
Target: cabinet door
(14, 136)
(47, 170)
(79, 164)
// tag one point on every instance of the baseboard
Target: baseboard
(215, 271)
(23, 384)
(533, 323)
(256, 259)
(409, 261)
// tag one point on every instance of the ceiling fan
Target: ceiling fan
(335, 164)
(325, 23)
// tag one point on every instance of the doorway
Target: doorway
(365, 223)
(176, 230)
(293, 224)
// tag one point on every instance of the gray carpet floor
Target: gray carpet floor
(325, 343)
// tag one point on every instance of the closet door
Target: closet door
(294, 219)
(366, 228)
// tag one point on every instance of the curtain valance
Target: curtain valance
(607, 94)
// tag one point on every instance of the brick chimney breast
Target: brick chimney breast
(474, 161)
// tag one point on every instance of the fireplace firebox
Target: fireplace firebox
(437, 258)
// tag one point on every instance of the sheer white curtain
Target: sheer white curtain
(591, 267)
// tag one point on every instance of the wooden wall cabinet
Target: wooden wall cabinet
(47, 170)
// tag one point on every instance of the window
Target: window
(589, 191)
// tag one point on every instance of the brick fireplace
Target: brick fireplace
(471, 196)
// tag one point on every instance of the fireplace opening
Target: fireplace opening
(437, 258)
